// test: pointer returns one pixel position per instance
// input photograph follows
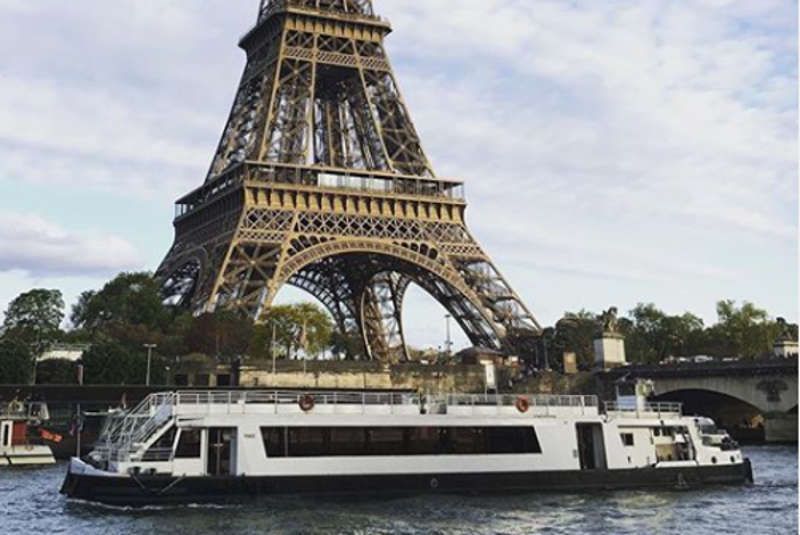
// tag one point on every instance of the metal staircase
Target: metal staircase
(126, 435)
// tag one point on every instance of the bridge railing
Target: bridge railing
(643, 410)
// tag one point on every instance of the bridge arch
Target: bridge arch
(743, 420)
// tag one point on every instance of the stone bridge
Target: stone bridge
(756, 399)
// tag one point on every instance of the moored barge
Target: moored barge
(183, 447)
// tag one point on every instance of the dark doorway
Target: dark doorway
(221, 448)
(591, 449)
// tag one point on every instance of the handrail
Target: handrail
(644, 409)
(210, 397)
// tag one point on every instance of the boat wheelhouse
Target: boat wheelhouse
(211, 445)
(21, 436)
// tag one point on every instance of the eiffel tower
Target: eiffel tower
(320, 182)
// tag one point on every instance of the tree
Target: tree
(112, 363)
(223, 334)
(56, 372)
(744, 331)
(34, 318)
(652, 335)
(350, 346)
(300, 326)
(575, 333)
(16, 361)
(130, 298)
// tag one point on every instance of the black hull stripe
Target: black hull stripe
(148, 490)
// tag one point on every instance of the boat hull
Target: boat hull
(159, 489)
(26, 456)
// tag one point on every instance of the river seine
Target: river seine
(30, 504)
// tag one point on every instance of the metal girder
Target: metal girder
(320, 181)
(382, 316)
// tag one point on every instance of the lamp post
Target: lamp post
(448, 344)
(150, 348)
(78, 414)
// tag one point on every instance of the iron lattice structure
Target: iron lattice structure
(320, 182)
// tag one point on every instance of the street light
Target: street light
(150, 348)
(448, 342)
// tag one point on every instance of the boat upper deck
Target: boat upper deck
(196, 403)
(24, 411)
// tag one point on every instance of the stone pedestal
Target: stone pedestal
(785, 348)
(570, 363)
(609, 351)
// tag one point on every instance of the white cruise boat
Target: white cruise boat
(21, 442)
(210, 445)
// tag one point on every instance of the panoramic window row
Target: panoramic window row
(371, 441)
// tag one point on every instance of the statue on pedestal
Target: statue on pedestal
(609, 345)
(608, 320)
(785, 333)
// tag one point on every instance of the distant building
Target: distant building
(70, 352)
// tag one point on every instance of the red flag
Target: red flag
(51, 437)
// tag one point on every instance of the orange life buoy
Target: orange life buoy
(306, 402)
(522, 404)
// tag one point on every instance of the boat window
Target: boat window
(161, 449)
(627, 439)
(188, 444)
(347, 441)
(372, 441)
(656, 431)
(308, 441)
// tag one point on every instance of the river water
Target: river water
(30, 503)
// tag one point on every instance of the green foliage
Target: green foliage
(111, 362)
(128, 299)
(575, 333)
(652, 335)
(56, 372)
(303, 326)
(350, 346)
(16, 361)
(34, 318)
(222, 334)
(744, 331)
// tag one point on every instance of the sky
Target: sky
(614, 152)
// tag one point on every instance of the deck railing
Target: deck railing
(643, 410)
(24, 410)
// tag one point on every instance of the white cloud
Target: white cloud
(34, 245)
(613, 151)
